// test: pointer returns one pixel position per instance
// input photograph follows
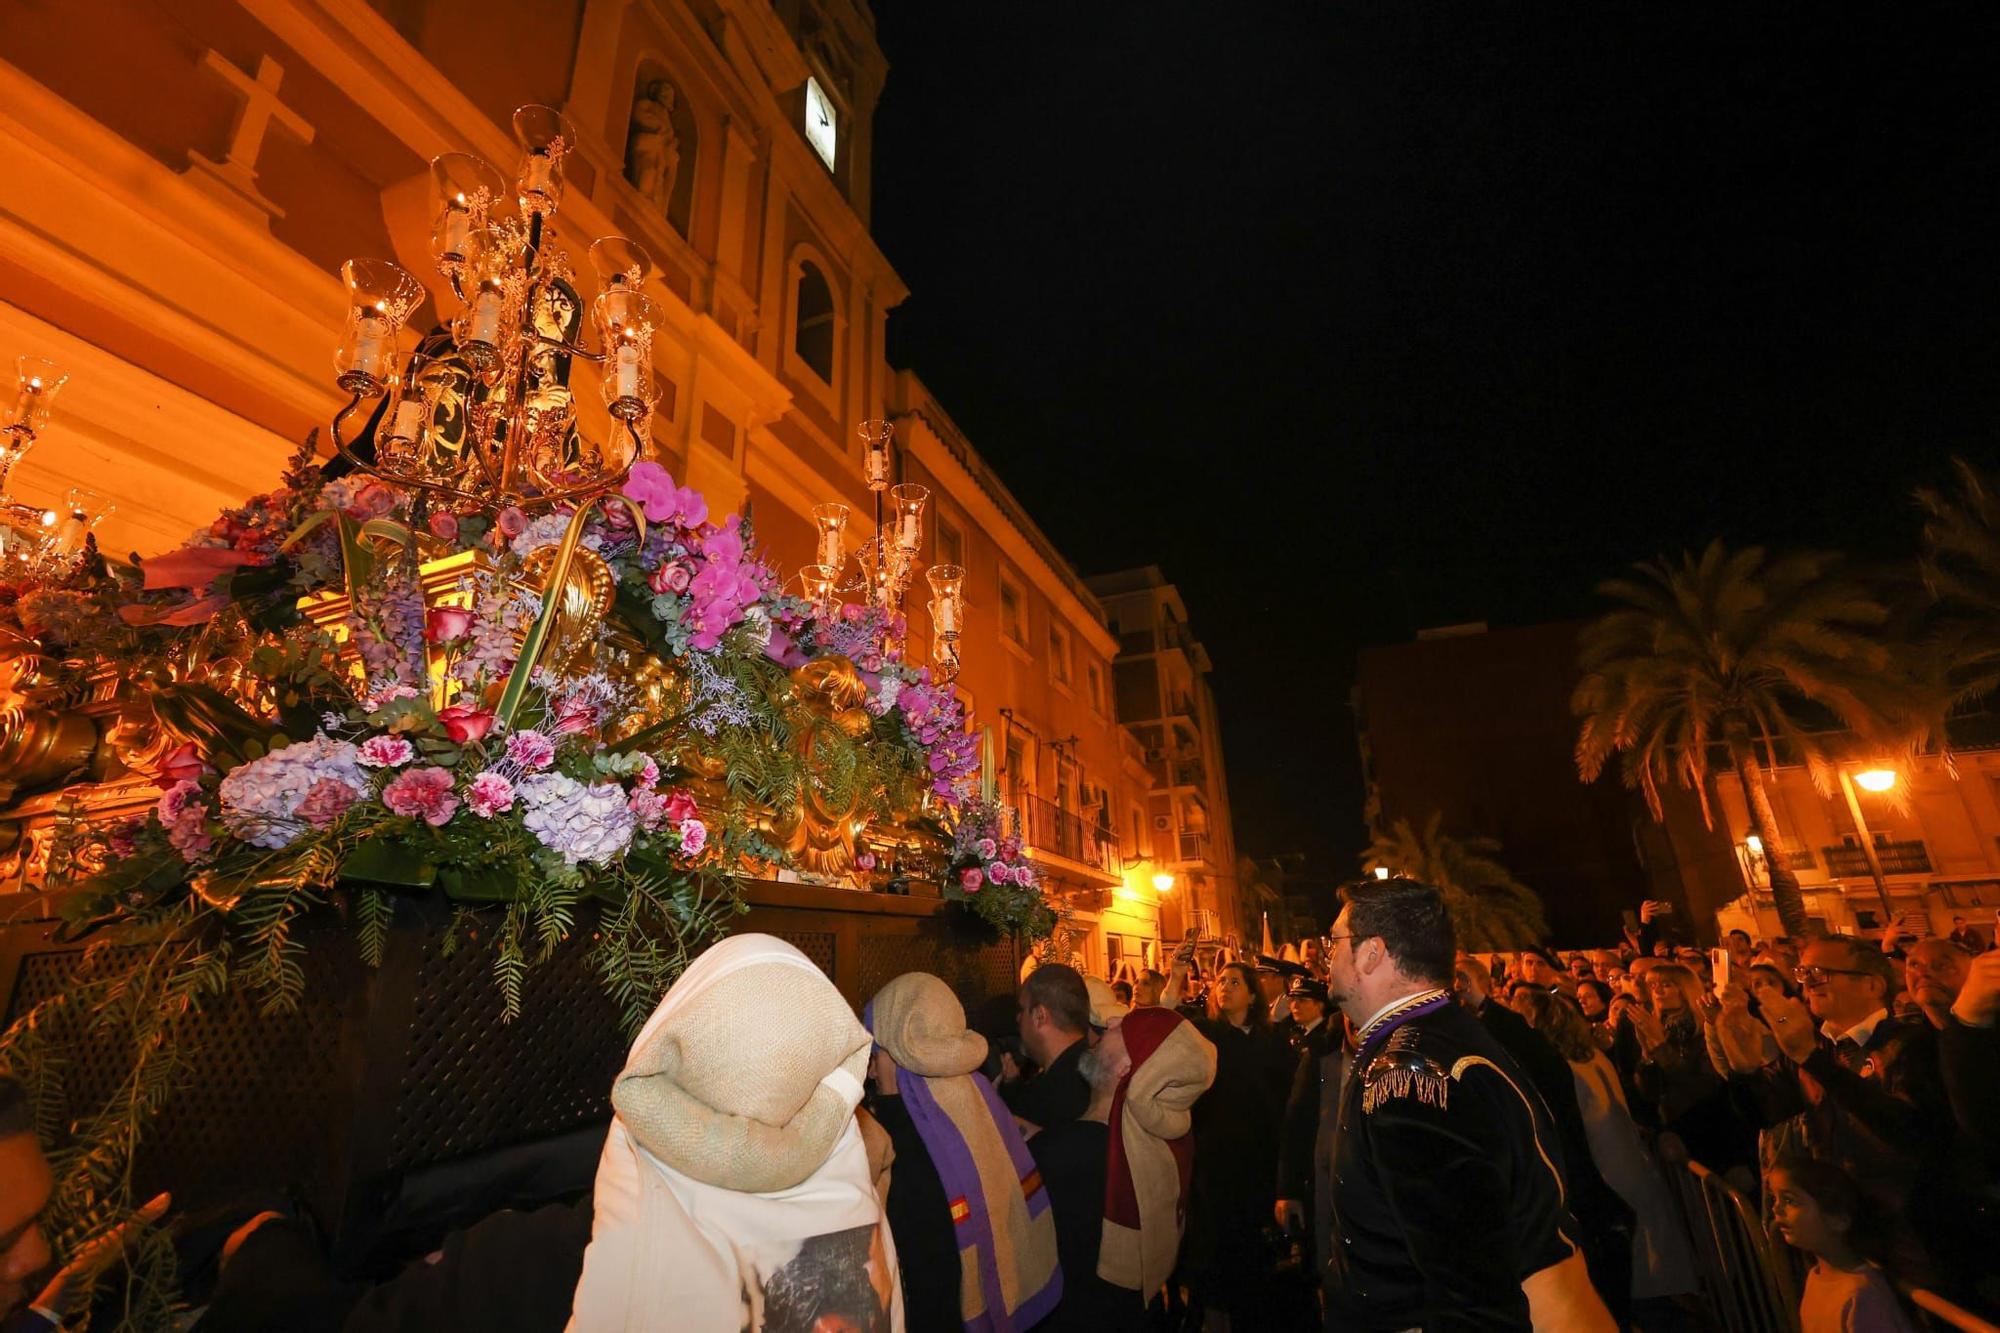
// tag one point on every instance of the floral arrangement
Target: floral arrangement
(992, 876)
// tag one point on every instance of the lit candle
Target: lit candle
(629, 370)
(912, 538)
(408, 421)
(944, 615)
(457, 231)
(878, 464)
(486, 305)
(371, 343)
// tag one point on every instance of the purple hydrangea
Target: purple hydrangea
(260, 799)
(582, 823)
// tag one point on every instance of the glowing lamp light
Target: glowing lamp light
(1381, 872)
(1163, 883)
(1754, 843)
(1875, 779)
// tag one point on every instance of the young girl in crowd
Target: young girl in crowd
(1819, 1210)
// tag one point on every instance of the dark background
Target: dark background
(1358, 318)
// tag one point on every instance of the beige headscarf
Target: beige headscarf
(1151, 1153)
(734, 1180)
(1003, 1223)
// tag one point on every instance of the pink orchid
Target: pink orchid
(193, 613)
(422, 793)
(676, 506)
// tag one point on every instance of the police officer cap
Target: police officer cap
(1306, 988)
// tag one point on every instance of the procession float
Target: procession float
(379, 814)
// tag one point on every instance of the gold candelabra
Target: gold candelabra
(887, 561)
(481, 412)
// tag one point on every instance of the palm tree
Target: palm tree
(1961, 570)
(1490, 909)
(1749, 653)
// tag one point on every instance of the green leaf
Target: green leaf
(482, 884)
(379, 861)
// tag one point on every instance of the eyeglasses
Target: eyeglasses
(1332, 940)
(1816, 976)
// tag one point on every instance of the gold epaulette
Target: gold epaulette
(1399, 1069)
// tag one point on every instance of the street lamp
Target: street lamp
(1163, 882)
(1875, 780)
(1381, 872)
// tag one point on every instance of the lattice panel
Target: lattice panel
(247, 1076)
(817, 945)
(472, 1082)
(974, 974)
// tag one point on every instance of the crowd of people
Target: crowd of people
(1368, 1130)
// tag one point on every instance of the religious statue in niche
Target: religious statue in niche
(653, 149)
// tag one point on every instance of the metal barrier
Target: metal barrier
(1751, 1282)
(1748, 1286)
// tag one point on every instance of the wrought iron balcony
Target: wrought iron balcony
(1065, 833)
(1897, 858)
(1193, 846)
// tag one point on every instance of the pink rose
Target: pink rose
(531, 750)
(987, 849)
(371, 501)
(694, 836)
(386, 752)
(183, 765)
(465, 724)
(673, 576)
(444, 525)
(491, 794)
(511, 522)
(680, 806)
(447, 624)
(422, 793)
(970, 879)
(865, 861)
(325, 801)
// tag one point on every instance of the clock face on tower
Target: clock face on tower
(822, 123)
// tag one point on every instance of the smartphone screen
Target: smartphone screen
(1721, 957)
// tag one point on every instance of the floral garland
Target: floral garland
(990, 873)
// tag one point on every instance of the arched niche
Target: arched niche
(662, 143)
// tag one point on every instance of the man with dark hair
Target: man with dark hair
(1450, 1210)
(1741, 948)
(1054, 1017)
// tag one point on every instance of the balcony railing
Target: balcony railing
(1189, 773)
(1067, 834)
(1193, 846)
(1897, 858)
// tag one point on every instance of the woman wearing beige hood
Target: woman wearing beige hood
(734, 1191)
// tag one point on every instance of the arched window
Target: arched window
(812, 335)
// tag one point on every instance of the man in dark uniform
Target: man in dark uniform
(1316, 1039)
(1448, 1203)
(1271, 993)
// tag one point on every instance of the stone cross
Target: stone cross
(234, 179)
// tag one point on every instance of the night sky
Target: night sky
(1363, 317)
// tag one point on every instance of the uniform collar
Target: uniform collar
(1388, 1013)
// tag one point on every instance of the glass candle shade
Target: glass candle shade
(819, 582)
(380, 296)
(875, 437)
(81, 510)
(947, 602)
(479, 329)
(37, 380)
(625, 324)
(909, 500)
(467, 188)
(831, 521)
(621, 265)
(944, 658)
(875, 573)
(545, 136)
